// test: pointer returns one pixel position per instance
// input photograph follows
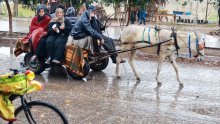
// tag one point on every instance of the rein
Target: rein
(119, 51)
(197, 45)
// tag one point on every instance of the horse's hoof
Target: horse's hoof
(138, 78)
(118, 77)
(159, 83)
(181, 85)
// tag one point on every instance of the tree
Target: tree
(10, 16)
(15, 10)
(133, 3)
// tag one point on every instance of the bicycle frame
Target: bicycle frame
(27, 110)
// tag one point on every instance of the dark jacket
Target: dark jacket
(70, 16)
(66, 30)
(83, 28)
(97, 25)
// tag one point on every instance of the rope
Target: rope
(143, 35)
(197, 40)
(119, 51)
(189, 45)
(149, 35)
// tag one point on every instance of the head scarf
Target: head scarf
(39, 18)
(61, 19)
(70, 12)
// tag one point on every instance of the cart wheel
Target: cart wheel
(86, 70)
(37, 66)
(99, 65)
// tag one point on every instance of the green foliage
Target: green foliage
(25, 12)
(114, 2)
(140, 3)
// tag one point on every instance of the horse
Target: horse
(137, 36)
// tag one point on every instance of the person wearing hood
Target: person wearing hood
(37, 30)
(83, 33)
(45, 8)
(71, 15)
(58, 32)
(108, 44)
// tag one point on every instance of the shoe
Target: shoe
(47, 61)
(56, 61)
(99, 54)
(122, 61)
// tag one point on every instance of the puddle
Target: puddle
(18, 26)
(212, 42)
(5, 51)
(8, 51)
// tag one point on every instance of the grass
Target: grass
(25, 12)
(22, 11)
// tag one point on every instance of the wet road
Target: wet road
(103, 98)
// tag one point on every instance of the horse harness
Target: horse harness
(157, 30)
(198, 46)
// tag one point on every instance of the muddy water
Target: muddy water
(103, 98)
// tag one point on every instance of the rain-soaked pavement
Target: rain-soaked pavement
(103, 98)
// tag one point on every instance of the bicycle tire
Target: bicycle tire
(40, 104)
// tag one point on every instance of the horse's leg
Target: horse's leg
(173, 62)
(118, 59)
(166, 18)
(162, 57)
(131, 59)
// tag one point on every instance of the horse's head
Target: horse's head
(195, 46)
(200, 47)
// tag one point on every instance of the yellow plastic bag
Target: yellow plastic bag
(17, 85)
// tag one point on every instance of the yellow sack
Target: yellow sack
(6, 108)
(18, 85)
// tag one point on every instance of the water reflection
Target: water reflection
(18, 25)
(174, 103)
(5, 50)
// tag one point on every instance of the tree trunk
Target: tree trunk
(10, 16)
(15, 10)
(129, 12)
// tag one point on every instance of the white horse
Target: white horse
(133, 34)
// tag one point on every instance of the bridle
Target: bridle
(174, 35)
(199, 47)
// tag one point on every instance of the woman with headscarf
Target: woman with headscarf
(38, 29)
(58, 32)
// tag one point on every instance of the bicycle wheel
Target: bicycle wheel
(42, 113)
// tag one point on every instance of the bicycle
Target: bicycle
(34, 112)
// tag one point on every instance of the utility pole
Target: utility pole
(206, 13)
(197, 3)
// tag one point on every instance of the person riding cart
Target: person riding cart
(108, 44)
(37, 34)
(58, 32)
(88, 30)
(83, 33)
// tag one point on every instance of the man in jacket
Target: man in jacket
(84, 35)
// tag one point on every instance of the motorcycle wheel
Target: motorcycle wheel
(99, 65)
(37, 65)
(86, 70)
